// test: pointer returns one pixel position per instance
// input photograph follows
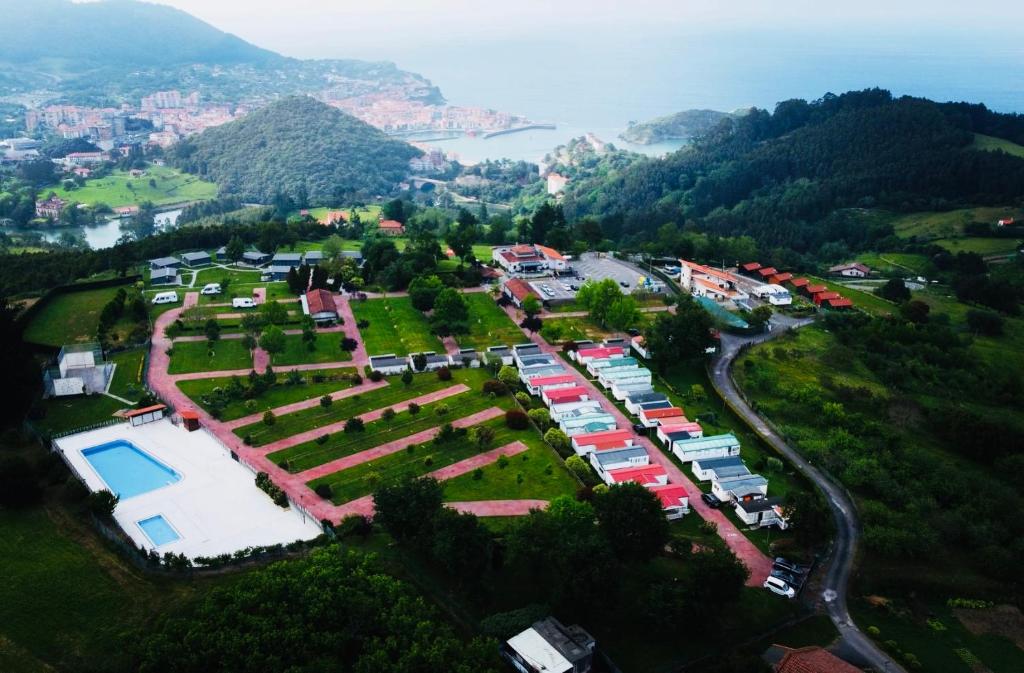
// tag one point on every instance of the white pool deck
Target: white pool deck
(215, 508)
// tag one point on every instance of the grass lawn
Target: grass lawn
(326, 349)
(950, 223)
(980, 245)
(280, 394)
(557, 330)
(488, 324)
(194, 356)
(863, 300)
(69, 317)
(215, 274)
(896, 263)
(993, 144)
(121, 189)
(340, 444)
(127, 381)
(395, 327)
(69, 413)
(290, 424)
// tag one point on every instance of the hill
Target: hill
(299, 147)
(798, 176)
(685, 125)
(98, 52)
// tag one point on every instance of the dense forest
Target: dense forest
(313, 153)
(780, 176)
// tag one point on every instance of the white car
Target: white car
(777, 586)
(210, 288)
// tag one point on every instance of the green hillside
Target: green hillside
(120, 189)
(684, 125)
(990, 144)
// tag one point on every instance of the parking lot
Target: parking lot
(592, 267)
(556, 290)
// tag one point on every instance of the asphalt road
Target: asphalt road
(840, 562)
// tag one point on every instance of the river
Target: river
(104, 234)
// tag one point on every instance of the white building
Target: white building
(762, 512)
(616, 459)
(740, 488)
(703, 281)
(776, 295)
(389, 364)
(529, 259)
(716, 446)
(550, 647)
(80, 370)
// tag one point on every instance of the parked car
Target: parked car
(210, 288)
(777, 586)
(623, 283)
(711, 500)
(640, 428)
(789, 578)
(789, 567)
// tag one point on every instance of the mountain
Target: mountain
(804, 175)
(298, 147)
(685, 125)
(109, 51)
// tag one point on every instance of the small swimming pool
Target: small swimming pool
(127, 470)
(158, 530)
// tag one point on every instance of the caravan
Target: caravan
(165, 298)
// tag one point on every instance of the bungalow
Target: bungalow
(799, 283)
(645, 475)
(391, 228)
(221, 254)
(287, 259)
(716, 446)
(538, 383)
(823, 296)
(780, 278)
(164, 263)
(313, 257)
(168, 276)
(434, 360)
(588, 442)
(255, 258)
(502, 354)
(563, 395)
(851, 270)
(639, 345)
(550, 647)
(674, 500)
(194, 259)
(666, 431)
(621, 390)
(609, 378)
(596, 422)
(585, 355)
(840, 303)
(750, 268)
(670, 436)
(277, 272)
(594, 366)
(719, 468)
(659, 404)
(536, 360)
(811, 290)
(634, 400)
(741, 487)
(762, 512)
(616, 459)
(767, 272)
(567, 409)
(654, 417)
(519, 351)
(319, 304)
(389, 364)
(467, 357)
(776, 295)
(542, 369)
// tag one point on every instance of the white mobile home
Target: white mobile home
(615, 459)
(667, 434)
(623, 375)
(634, 400)
(621, 391)
(762, 513)
(562, 395)
(595, 422)
(389, 364)
(645, 475)
(665, 416)
(596, 365)
(743, 487)
(502, 354)
(434, 362)
(566, 409)
(596, 441)
(719, 468)
(716, 446)
(536, 384)
(675, 502)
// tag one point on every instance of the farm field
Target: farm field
(392, 394)
(280, 394)
(395, 327)
(982, 246)
(488, 324)
(946, 224)
(327, 349)
(194, 356)
(121, 189)
(895, 263)
(69, 317)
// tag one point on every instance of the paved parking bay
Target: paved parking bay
(592, 267)
(556, 290)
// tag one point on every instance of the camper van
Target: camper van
(211, 288)
(242, 302)
(165, 298)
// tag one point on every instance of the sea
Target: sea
(599, 83)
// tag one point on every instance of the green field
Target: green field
(395, 327)
(196, 356)
(326, 349)
(69, 317)
(121, 189)
(895, 263)
(127, 382)
(71, 413)
(993, 144)
(341, 410)
(865, 301)
(488, 324)
(982, 246)
(950, 223)
(280, 394)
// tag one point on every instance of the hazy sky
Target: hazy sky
(380, 28)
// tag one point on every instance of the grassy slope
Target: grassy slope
(395, 327)
(69, 413)
(69, 317)
(993, 144)
(282, 393)
(863, 300)
(172, 186)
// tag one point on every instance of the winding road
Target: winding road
(853, 642)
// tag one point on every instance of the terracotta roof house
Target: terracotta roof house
(841, 302)
(780, 278)
(799, 282)
(824, 296)
(675, 502)
(319, 304)
(751, 267)
(810, 660)
(852, 270)
(767, 271)
(811, 290)
(518, 290)
(391, 227)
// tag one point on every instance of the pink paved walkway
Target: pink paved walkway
(359, 356)
(310, 435)
(366, 386)
(191, 299)
(759, 565)
(397, 445)
(498, 507)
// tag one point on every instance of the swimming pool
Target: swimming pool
(128, 470)
(158, 530)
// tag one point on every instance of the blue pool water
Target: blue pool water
(158, 530)
(127, 470)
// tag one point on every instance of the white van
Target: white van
(210, 288)
(165, 298)
(242, 302)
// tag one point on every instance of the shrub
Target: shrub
(520, 478)
(508, 375)
(541, 417)
(558, 440)
(580, 468)
(516, 419)
(599, 489)
(709, 528)
(494, 387)
(250, 405)
(363, 324)
(376, 376)
(444, 374)
(247, 440)
(428, 461)
(326, 401)
(445, 434)
(502, 462)
(388, 415)
(324, 491)
(357, 379)
(523, 399)
(413, 408)
(269, 418)
(569, 346)
(102, 504)
(348, 344)
(322, 439)
(354, 424)
(354, 524)
(407, 376)
(478, 474)
(294, 377)
(874, 632)
(265, 484)
(441, 409)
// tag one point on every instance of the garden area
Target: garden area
(394, 326)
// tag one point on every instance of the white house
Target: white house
(389, 364)
(621, 391)
(585, 355)
(467, 357)
(719, 468)
(540, 370)
(668, 434)
(563, 395)
(501, 354)
(80, 369)
(762, 512)
(194, 259)
(665, 416)
(645, 475)
(703, 281)
(538, 383)
(434, 360)
(597, 364)
(529, 260)
(584, 423)
(675, 502)
(851, 270)
(716, 446)
(319, 305)
(520, 351)
(739, 488)
(634, 400)
(624, 375)
(566, 409)
(597, 441)
(550, 647)
(616, 459)
(776, 295)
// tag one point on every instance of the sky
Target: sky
(384, 29)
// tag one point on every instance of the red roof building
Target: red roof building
(594, 438)
(841, 302)
(751, 266)
(319, 304)
(557, 379)
(812, 660)
(767, 271)
(645, 475)
(672, 496)
(391, 227)
(518, 290)
(812, 290)
(585, 355)
(825, 296)
(686, 426)
(799, 282)
(563, 395)
(780, 278)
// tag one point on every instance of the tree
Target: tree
(531, 306)
(482, 436)
(423, 291)
(326, 401)
(894, 290)
(630, 516)
(759, 317)
(212, 330)
(451, 314)
(234, 249)
(272, 340)
(461, 546)
(462, 237)
(986, 323)
(598, 297)
(809, 517)
(407, 508)
(680, 337)
(407, 377)
(623, 313)
(252, 323)
(332, 247)
(274, 313)
(354, 424)
(558, 440)
(916, 311)
(540, 417)
(419, 361)
(413, 408)
(508, 375)
(102, 503)
(580, 468)
(387, 416)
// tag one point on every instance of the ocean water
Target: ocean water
(599, 83)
